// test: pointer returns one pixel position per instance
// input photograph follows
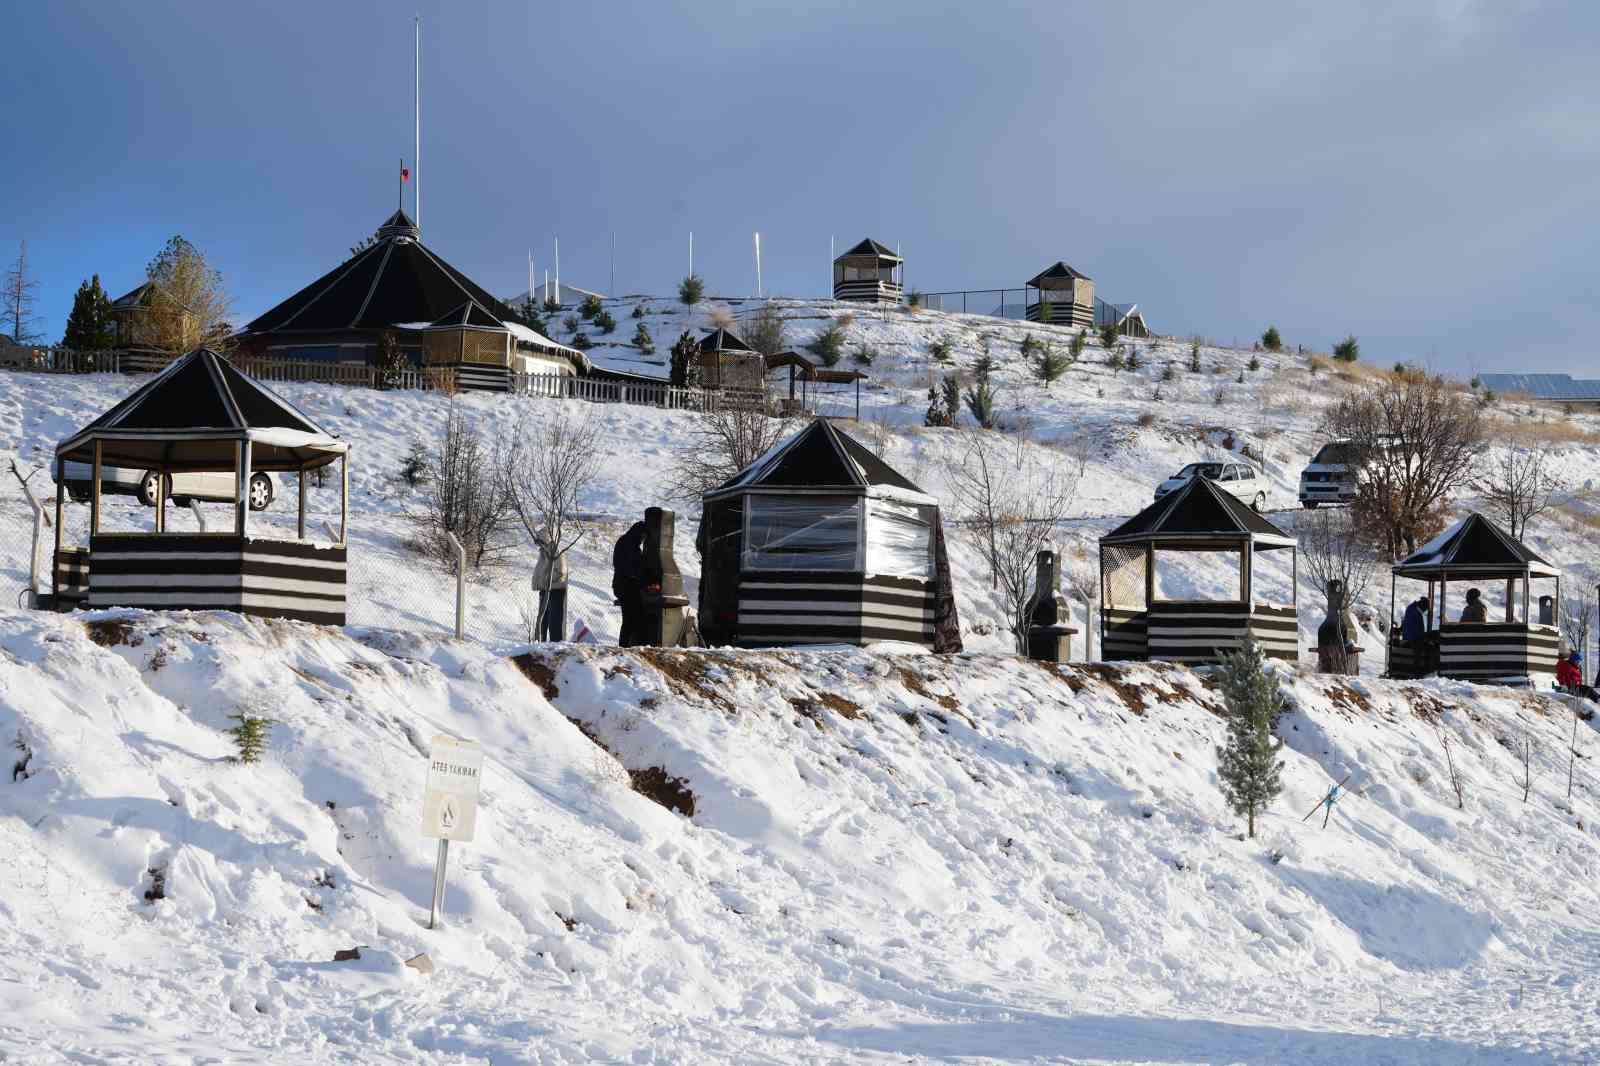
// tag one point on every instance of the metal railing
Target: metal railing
(640, 393)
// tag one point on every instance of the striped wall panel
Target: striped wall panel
(870, 291)
(1196, 633)
(476, 377)
(832, 608)
(71, 578)
(1061, 314)
(269, 578)
(1124, 635)
(1497, 649)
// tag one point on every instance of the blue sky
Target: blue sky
(1419, 174)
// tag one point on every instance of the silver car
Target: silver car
(1240, 480)
(208, 485)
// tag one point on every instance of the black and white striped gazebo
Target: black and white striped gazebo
(200, 415)
(821, 542)
(1140, 620)
(1516, 643)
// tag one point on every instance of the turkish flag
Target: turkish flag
(405, 174)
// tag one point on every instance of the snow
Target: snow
(893, 856)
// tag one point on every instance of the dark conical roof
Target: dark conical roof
(723, 340)
(395, 280)
(201, 404)
(872, 248)
(1058, 271)
(818, 456)
(468, 314)
(1197, 509)
(1473, 545)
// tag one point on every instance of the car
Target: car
(1237, 479)
(209, 485)
(1332, 476)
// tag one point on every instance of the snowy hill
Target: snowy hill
(888, 859)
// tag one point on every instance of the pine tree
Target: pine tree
(1347, 350)
(1248, 762)
(589, 307)
(829, 344)
(1050, 363)
(604, 322)
(1109, 334)
(642, 339)
(1134, 361)
(392, 362)
(690, 290)
(1194, 356)
(1080, 340)
(939, 413)
(981, 396)
(683, 367)
(249, 736)
(17, 299)
(528, 313)
(950, 385)
(90, 326)
(1270, 339)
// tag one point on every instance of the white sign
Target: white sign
(450, 804)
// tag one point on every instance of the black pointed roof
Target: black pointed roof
(870, 247)
(190, 415)
(1475, 546)
(1198, 510)
(723, 340)
(395, 280)
(820, 456)
(1058, 271)
(470, 314)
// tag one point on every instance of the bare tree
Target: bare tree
(1525, 748)
(1457, 783)
(1520, 484)
(721, 443)
(1008, 503)
(464, 496)
(1334, 550)
(546, 467)
(1576, 615)
(21, 289)
(1416, 441)
(189, 306)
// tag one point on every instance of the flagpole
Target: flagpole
(416, 112)
(558, 270)
(758, 263)
(400, 185)
(613, 291)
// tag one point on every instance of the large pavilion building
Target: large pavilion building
(440, 317)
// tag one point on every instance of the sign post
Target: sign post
(450, 804)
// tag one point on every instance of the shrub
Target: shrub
(605, 323)
(1347, 350)
(767, 332)
(414, 467)
(690, 290)
(589, 307)
(1115, 361)
(864, 354)
(1316, 364)
(1080, 340)
(1475, 384)
(829, 344)
(980, 399)
(1108, 335)
(941, 410)
(581, 341)
(249, 736)
(1270, 339)
(1148, 418)
(638, 310)
(720, 317)
(642, 340)
(551, 305)
(1031, 345)
(1255, 364)
(392, 362)
(570, 323)
(1134, 360)
(464, 496)
(1240, 379)
(1049, 364)
(941, 348)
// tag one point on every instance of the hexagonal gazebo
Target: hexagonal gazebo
(201, 415)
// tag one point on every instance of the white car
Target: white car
(210, 485)
(1238, 479)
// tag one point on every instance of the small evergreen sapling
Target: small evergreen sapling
(1108, 335)
(1080, 340)
(1247, 762)
(1135, 360)
(981, 396)
(642, 339)
(1049, 364)
(1270, 339)
(604, 322)
(1347, 350)
(638, 310)
(414, 468)
(864, 354)
(1255, 362)
(1194, 356)
(690, 290)
(590, 306)
(829, 344)
(249, 736)
(941, 348)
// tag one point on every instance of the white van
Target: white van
(209, 485)
(1330, 477)
(1237, 479)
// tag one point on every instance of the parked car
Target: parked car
(210, 485)
(1330, 477)
(1239, 479)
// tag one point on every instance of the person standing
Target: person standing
(550, 582)
(627, 583)
(1414, 632)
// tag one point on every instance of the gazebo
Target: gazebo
(809, 375)
(869, 272)
(1140, 621)
(1061, 295)
(1514, 644)
(820, 542)
(727, 362)
(202, 415)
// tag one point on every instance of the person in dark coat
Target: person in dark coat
(627, 583)
(1475, 610)
(1414, 631)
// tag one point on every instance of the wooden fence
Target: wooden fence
(358, 374)
(640, 393)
